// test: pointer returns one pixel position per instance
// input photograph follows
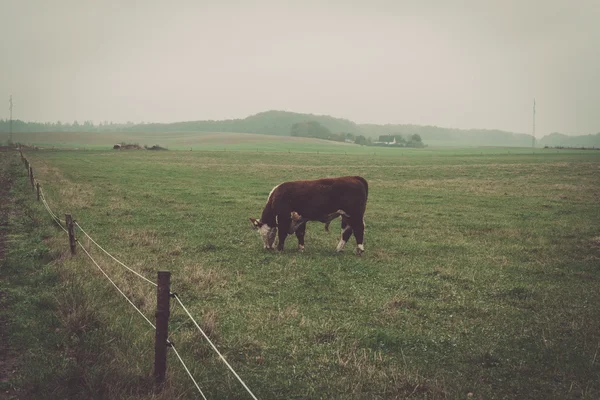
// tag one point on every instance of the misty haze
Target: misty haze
(465, 66)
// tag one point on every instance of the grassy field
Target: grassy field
(480, 277)
(204, 141)
(180, 141)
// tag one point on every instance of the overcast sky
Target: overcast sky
(461, 63)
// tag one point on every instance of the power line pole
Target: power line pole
(533, 133)
(10, 135)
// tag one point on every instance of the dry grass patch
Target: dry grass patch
(76, 195)
(461, 185)
(71, 195)
(117, 204)
(366, 368)
(208, 323)
(202, 278)
(149, 239)
(186, 335)
(400, 303)
(141, 293)
(289, 312)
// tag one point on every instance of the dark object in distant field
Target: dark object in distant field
(155, 147)
(127, 146)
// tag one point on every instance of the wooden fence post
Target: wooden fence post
(31, 177)
(69, 223)
(37, 185)
(163, 299)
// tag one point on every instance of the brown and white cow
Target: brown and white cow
(316, 200)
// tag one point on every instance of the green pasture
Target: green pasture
(479, 280)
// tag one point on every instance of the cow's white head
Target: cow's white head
(266, 232)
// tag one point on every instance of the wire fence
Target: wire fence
(64, 225)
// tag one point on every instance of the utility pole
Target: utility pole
(10, 107)
(533, 133)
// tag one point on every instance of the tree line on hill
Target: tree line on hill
(283, 123)
(313, 129)
(86, 126)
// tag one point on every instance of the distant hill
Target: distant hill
(268, 122)
(560, 140)
(280, 123)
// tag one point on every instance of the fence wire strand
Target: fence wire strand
(43, 197)
(54, 217)
(60, 224)
(147, 320)
(111, 256)
(214, 347)
(115, 285)
(187, 370)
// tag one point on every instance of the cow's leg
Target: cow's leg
(327, 220)
(359, 234)
(346, 233)
(283, 220)
(300, 235)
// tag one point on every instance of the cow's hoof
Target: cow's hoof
(359, 250)
(300, 247)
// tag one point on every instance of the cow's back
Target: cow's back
(314, 199)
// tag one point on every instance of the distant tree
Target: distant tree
(311, 129)
(400, 140)
(360, 139)
(415, 141)
(339, 137)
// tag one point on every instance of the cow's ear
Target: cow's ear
(256, 223)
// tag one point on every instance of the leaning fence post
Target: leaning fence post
(37, 185)
(163, 297)
(69, 223)
(31, 176)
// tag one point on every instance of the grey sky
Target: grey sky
(463, 64)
